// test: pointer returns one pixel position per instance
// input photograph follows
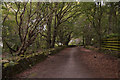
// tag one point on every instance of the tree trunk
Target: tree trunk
(68, 39)
(109, 29)
(49, 32)
(100, 42)
(99, 28)
(22, 49)
(88, 40)
(110, 19)
(84, 42)
(54, 32)
(54, 37)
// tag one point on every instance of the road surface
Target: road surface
(65, 64)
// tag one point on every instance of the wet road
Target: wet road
(65, 64)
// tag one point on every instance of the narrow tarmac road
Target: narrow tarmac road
(65, 64)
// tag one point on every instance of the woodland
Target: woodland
(33, 30)
(32, 26)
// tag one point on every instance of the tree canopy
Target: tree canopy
(44, 25)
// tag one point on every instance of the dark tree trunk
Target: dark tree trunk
(22, 49)
(110, 24)
(49, 32)
(99, 27)
(54, 37)
(88, 40)
(55, 31)
(25, 44)
(68, 39)
(110, 19)
(83, 41)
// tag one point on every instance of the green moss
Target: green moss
(6, 65)
(21, 63)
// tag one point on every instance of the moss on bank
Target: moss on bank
(21, 63)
